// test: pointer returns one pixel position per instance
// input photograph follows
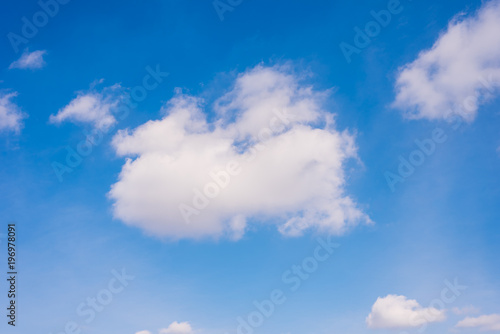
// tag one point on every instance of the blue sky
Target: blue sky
(322, 176)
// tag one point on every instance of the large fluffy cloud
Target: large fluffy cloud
(459, 73)
(94, 107)
(271, 154)
(11, 116)
(489, 322)
(395, 311)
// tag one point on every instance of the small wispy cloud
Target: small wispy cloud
(11, 115)
(93, 106)
(30, 60)
(174, 328)
(465, 310)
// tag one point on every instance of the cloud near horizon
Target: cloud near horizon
(393, 311)
(489, 322)
(460, 72)
(174, 328)
(272, 154)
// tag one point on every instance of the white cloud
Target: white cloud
(395, 311)
(459, 73)
(11, 115)
(465, 310)
(174, 328)
(92, 107)
(489, 322)
(30, 60)
(178, 328)
(292, 177)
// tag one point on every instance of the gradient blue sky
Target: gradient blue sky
(440, 224)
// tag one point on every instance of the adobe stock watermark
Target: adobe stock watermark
(293, 279)
(363, 37)
(222, 178)
(428, 146)
(222, 6)
(30, 27)
(96, 304)
(448, 295)
(406, 167)
(75, 156)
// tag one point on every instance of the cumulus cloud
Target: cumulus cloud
(11, 116)
(395, 311)
(178, 328)
(174, 328)
(271, 154)
(459, 73)
(30, 60)
(93, 107)
(489, 322)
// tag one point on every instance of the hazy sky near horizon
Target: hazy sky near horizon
(236, 166)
